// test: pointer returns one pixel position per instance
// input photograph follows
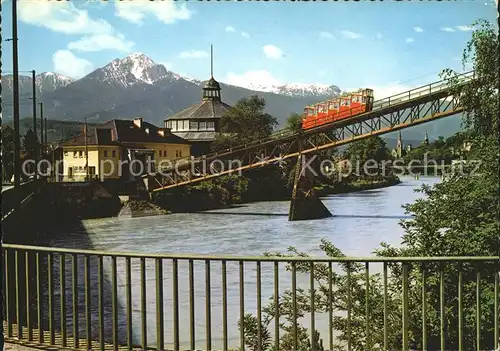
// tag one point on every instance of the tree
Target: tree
(30, 143)
(294, 122)
(458, 217)
(7, 153)
(246, 122)
(367, 150)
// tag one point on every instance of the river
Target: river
(361, 221)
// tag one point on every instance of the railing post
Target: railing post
(405, 306)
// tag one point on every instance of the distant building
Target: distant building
(116, 141)
(200, 123)
(400, 151)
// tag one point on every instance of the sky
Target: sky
(386, 45)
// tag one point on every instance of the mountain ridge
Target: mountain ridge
(137, 86)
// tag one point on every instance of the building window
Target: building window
(65, 153)
(193, 125)
(160, 153)
(74, 154)
(105, 153)
(203, 125)
(113, 153)
(165, 153)
(211, 125)
(180, 153)
(80, 154)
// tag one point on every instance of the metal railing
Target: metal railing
(391, 101)
(85, 299)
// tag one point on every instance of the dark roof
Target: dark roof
(119, 131)
(197, 136)
(212, 84)
(94, 137)
(127, 131)
(206, 109)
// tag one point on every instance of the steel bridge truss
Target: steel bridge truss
(385, 119)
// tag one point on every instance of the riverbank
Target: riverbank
(358, 185)
(236, 191)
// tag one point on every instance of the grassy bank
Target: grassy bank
(231, 190)
(356, 185)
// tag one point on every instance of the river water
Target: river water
(361, 221)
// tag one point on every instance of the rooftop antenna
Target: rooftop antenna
(211, 61)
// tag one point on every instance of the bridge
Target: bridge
(410, 108)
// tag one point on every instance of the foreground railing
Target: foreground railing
(86, 299)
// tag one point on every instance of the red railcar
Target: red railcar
(346, 106)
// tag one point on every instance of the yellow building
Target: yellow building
(121, 149)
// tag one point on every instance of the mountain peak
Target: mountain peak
(132, 69)
(139, 57)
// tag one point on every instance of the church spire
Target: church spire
(399, 145)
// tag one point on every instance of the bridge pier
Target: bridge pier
(305, 204)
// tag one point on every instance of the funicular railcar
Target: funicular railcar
(346, 106)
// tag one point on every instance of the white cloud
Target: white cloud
(383, 91)
(65, 62)
(447, 29)
(379, 36)
(100, 42)
(465, 28)
(245, 35)
(193, 54)
(252, 79)
(408, 40)
(229, 29)
(418, 29)
(350, 35)
(165, 11)
(273, 52)
(326, 35)
(62, 17)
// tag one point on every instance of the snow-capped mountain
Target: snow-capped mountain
(133, 69)
(301, 89)
(295, 89)
(137, 86)
(138, 67)
(45, 83)
(50, 81)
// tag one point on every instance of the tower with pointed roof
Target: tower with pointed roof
(399, 146)
(199, 123)
(426, 139)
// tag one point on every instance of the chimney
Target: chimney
(113, 134)
(138, 122)
(164, 132)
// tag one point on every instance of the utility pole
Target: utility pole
(41, 130)
(15, 96)
(33, 73)
(45, 138)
